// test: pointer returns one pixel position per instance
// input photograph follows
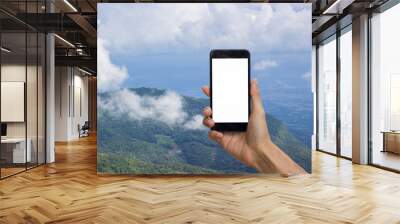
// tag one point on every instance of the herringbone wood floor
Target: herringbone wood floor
(70, 191)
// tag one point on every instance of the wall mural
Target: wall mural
(153, 60)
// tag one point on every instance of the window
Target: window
(385, 89)
(327, 95)
(346, 93)
(329, 111)
(22, 77)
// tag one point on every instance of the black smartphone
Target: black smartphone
(230, 89)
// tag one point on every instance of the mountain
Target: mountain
(149, 146)
(295, 109)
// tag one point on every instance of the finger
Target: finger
(208, 122)
(206, 90)
(215, 135)
(207, 111)
(256, 100)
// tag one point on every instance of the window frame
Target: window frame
(338, 33)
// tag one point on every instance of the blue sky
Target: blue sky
(187, 72)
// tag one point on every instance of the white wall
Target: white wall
(17, 73)
(70, 84)
(79, 117)
(62, 81)
(9, 73)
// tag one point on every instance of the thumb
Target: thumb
(256, 102)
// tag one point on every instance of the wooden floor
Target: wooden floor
(5, 172)
(70, 191)
(387, 159)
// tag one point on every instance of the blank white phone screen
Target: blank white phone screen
(230, 90)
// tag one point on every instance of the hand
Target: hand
(253, 147)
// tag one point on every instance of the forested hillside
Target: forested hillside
(148, 146)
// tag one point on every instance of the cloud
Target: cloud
(265, 64)
(167, 108)
(306, 76)
(151, 28)
(196, 123)
(110, 76)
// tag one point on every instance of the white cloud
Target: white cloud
(196, 123)
(265, 64)
(167, 108)
(306, 76)
(149, 28)
(110, 76)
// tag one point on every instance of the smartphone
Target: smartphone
(230, 89)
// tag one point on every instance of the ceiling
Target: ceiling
(74, 23)
(329, 16)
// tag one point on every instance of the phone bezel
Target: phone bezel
(230, 53)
